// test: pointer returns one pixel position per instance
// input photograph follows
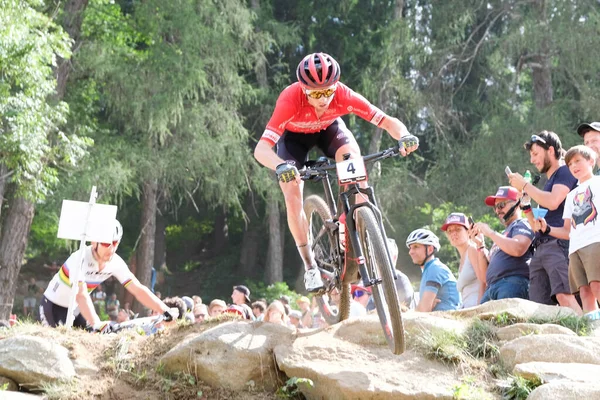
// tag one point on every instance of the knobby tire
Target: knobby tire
(325, 248)
(379, 267)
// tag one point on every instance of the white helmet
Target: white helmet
(118, 232)
(425, 237)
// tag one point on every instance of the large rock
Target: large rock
(20, 396)
(347, 362)
(232, 355)
(367, 330)
(10, 384)
(565, 390)
(518, 309)
(551, 348)
(517, 330)
(550, 372)
(30, 360)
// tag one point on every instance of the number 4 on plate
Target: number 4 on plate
(352, 170)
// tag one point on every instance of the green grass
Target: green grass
(291, 388)
(580, 325)
(505, 319)
(481, 340)
(447, 347)
(468, 389)
(520, 388)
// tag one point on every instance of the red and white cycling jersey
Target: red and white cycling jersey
(59, 288)
(294, 113)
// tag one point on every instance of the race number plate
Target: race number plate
(352, 170)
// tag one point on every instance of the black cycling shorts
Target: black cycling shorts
(293, 147)
(53, 315)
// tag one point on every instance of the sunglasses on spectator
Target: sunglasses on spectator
(360, 293)
(114, 243)
(501, 205)
(317, 94)
(537, 139)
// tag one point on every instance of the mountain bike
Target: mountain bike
(144, 325)
(365, 255)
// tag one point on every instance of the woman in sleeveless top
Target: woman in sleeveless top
(471, 278)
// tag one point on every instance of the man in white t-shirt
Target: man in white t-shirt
(100, 262)
(581, 227)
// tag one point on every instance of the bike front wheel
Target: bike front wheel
(335, 303)
(379, 268)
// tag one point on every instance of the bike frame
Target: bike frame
(345, 196)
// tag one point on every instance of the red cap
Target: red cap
(456, 219)
(354, 288)
(504, 192)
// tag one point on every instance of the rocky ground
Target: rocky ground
(511, 349)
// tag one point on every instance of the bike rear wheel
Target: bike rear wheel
(334, 304)
(379, 267)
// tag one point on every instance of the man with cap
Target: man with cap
(241, 297)
(549, 267)
(591, 138)
(507, 272)
(360, 299)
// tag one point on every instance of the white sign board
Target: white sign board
(100, 219)
(352, 170)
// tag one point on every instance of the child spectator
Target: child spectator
(258, 309)
(200, 312)
(216, 307)
(295, 319)
(275, 313)
(303, 303)
(581, 228)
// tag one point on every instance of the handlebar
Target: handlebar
(320, 167)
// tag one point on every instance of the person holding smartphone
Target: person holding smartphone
(549, 267)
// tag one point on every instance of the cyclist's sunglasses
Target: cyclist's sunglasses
(114, 243)
(360, 293)
(317, 94)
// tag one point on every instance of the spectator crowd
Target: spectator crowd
(547, 252)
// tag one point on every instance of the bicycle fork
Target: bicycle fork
(353, 233)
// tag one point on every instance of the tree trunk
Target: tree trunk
(274, 267)
(71, 23)
(221, 232)
(145, 251)
(250, 240)
(160, 243)
(15, 231)
(3, 180)
(540, 63)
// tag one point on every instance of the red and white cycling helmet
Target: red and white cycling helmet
(318, 71)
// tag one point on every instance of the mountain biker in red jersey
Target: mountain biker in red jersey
(308, 114)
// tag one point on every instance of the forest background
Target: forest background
(160, 104)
